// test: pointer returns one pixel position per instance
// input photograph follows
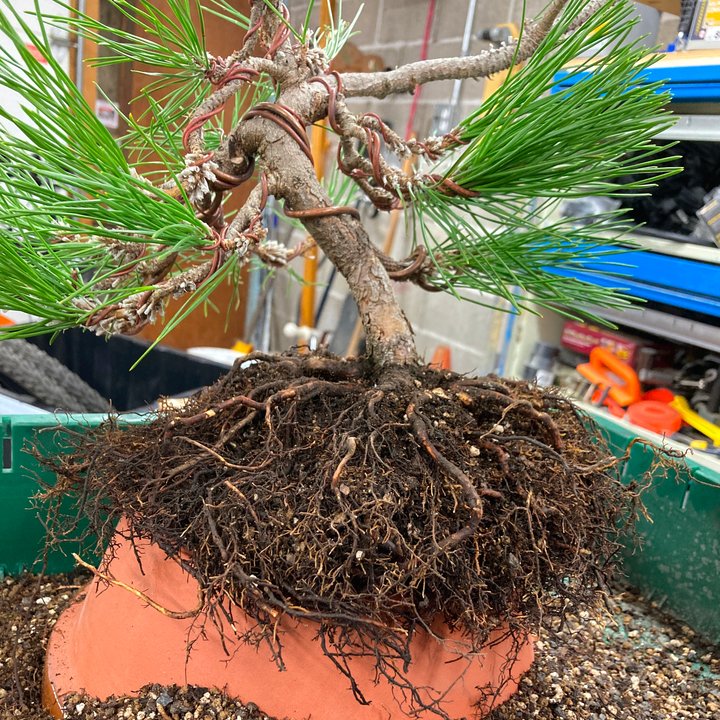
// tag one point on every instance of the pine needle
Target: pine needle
(66, 193)
(535, 138)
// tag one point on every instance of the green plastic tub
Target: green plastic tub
(677, 560)
(22, 533)
(677, 563)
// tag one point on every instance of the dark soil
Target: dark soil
(29, 607)
(636, 665)
(371, 503)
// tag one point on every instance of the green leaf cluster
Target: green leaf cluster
(163, 38)
(66, 191)
(167, 43)
(537, 138)
(333, 39)
(164, 44)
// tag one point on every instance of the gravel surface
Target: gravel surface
(636, 665)
(29, 607)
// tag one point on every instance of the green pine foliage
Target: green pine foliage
(66, 191)
(333, 39)
(67, 187)
(165, 45)
(535, 139)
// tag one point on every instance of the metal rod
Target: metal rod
(79, 47)
(464, 50)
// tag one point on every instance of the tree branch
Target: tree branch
(251, 36)
(405, 79)
(341, 237)
(250, 212)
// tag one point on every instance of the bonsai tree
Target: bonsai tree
(367, 495)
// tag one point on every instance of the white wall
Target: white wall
(59, 44)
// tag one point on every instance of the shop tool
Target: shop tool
(696, 421)
(615, 380)
(616, 384)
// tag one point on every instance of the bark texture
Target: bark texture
(342, 238)
(271, 138)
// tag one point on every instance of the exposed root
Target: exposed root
(351, 444)
(371, 503)
(110, 580)
(472, 494)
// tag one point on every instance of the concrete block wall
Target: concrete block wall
(393, 29)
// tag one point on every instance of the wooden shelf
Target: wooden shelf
(670, 6)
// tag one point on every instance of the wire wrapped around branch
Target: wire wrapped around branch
(314, 213)
(384, 184)
(449, 187)
(192, 137)
(282, 32)
(287, 120)
(413, 265)
(419, 268)
(260, 29)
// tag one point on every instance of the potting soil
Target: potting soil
(633, 664)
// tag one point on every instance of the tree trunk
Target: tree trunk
(342, 238)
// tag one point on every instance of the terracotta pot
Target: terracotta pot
(110, 642)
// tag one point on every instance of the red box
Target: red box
(583, 338)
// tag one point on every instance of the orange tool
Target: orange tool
(613, 377)
(441, 358)
(655, 415)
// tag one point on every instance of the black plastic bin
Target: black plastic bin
(105, 364)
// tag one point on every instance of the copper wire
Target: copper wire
(374, 150)
(251, 31)
(196, 123)
(286, 119)
(235, 72)
(384, 129)
(322, 212)
(127, 271)
(238, 72)
(281, 34)
(332, 96)
(232, 181)
(450, 187)
(409, 271)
